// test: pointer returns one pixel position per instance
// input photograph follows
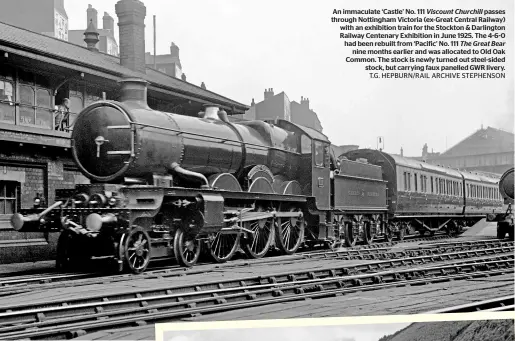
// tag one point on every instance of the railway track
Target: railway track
(42, 277)
(506, 303)
(71, 318)
(20, 285)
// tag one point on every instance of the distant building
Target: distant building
(42, 16)
(167, 63)
(107, 42)
(488, 150)
(303, 115)
(425, 154)
(279, 106)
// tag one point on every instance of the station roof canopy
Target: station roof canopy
(51, 50)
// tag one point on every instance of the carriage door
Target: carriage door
(321, 181)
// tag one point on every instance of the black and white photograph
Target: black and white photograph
(198, 161)
(479, 330)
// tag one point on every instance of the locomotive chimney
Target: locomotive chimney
(134, 91)
(131, 20)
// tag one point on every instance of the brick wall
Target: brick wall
(37, 172)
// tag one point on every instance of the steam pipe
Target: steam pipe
(189, 175)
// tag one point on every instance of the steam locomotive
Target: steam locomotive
(505, 219)
(166, 185)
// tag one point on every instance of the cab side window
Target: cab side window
(305, 144)
(319, 154)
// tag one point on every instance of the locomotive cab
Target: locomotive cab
(314, 167)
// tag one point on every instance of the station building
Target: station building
(487, 150)
(279, 106)
(37, 72)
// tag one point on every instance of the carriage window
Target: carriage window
(432, 188)
(416, 183)
(319, 154)
(405, 181)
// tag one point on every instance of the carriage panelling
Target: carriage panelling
(481, 194)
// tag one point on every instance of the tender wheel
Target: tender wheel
(223, 247)
(136, 250)
(186, 248)
(388, 234)
(340, 235)
(289, 233)
(401, 233)
(501, 231)
(367, 231)
(259, 241)
(350, 238)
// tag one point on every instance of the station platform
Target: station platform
(481, 228)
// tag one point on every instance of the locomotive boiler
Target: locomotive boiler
(117, 140)
(505, 219)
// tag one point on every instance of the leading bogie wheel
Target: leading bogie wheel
(186, 248)
(289, 233)
(136, 250)
(64, 257)
(224, 246)
(258, 242)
